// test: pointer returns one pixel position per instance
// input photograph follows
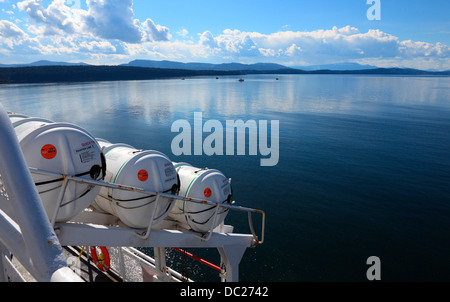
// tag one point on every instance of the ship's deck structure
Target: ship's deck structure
(35, 246)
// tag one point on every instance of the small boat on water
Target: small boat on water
(78, 208)
(241, 80)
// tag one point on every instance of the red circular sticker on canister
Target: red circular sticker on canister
(142, 175)
(48, 151)
(207, 192)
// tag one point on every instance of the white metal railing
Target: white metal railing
(145, 234)
(135, 261)
(230, 255)
(25, 230)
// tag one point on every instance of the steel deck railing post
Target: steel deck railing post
(29, 212)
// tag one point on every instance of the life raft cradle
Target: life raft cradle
(145, 234)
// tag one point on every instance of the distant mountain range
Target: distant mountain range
(336, 66)
(205, 66)
(44, 63)
(352, 68)
(239, 66)
(48, 71)
(349, 66)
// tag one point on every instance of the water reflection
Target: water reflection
(164, 101)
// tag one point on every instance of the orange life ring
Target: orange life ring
(102, 261)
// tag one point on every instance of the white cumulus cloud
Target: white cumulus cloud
(104, 19)
(322, 46)
(57, 18)
(11, 34)
(108, 30)
(112, 19)
(154, 32)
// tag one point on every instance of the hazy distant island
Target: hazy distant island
(56, 72)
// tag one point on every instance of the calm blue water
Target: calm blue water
(364, 164)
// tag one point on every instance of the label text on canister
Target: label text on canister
(207, 192)
(48, 151)
(143, 175)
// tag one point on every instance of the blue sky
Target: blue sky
(414, 33)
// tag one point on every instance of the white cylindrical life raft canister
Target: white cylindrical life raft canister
(65, 149)
(148, 170)
(202, 184)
